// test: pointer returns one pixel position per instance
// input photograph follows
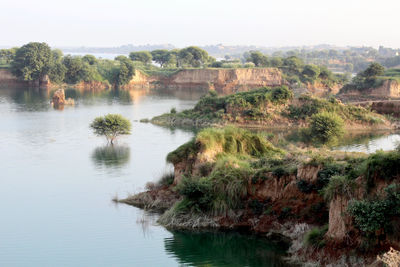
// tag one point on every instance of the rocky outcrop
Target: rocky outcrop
(58, 99)
(388, 89)
(7, 79)
(224, 81)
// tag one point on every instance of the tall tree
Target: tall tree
(32, 61)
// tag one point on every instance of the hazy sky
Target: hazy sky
(201, 22)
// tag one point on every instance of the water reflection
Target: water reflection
(32, 99)
(111, 156)
(223, 249)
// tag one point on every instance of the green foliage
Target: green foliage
(231, 140)
(164, 57)
(259, 59)
(384, 164)
(142, 56)
(373, 70)
(373, 216)
(311, 72)
(192, 56)
(111, 126)
(310, 105)
(173, 110)
(32, 61)
(326, 127)
(183, 152)
(305, 186)
(339, 186)
(315, 237)
(366, 79)
(122, 73)
(166, 179)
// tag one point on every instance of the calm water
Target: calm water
(58, 179)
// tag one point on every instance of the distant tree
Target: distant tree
(161, 56)
(373, 70)
(258, 58)
(32, 61)
(124, 72)
(142, 56)
(111, 126)
(73, 65)
(57, 69)
(7, 55)
(310, 73)
(192, 56)
(276, 62)
(90, 59)
(293, 64)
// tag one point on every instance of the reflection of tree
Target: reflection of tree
(31, 99)
(224, 249)
(111, 156)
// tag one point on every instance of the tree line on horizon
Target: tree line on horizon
(35, 60)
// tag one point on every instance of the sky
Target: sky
(108, 23)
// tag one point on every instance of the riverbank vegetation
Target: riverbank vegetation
(231, 178)
(271, 107)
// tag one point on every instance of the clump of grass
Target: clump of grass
(315, 237)
(183, 152)
(338, 186)
(234, 141)
(166, 179)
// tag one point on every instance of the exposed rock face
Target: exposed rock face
(339, 221)
(224, 81)
(7, 79)
(389, 89)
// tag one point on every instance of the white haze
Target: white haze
(201, 22)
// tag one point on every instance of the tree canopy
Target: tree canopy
(111, 126)
(32, 61)
(142, 56)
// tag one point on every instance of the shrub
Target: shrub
(378, 214)
(281, 94)
(173, 110)
(183, 152)
(305, 186)
(387, 164)
(326, 127)
(315, 237)
(338, 185)
(197, 191)
(166, 179)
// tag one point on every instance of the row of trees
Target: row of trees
(34, 61)
(294, 68)
(191, 56)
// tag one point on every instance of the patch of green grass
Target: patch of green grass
(315, 237)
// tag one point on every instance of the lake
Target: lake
(58, 180)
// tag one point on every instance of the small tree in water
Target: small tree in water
(111, 126)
